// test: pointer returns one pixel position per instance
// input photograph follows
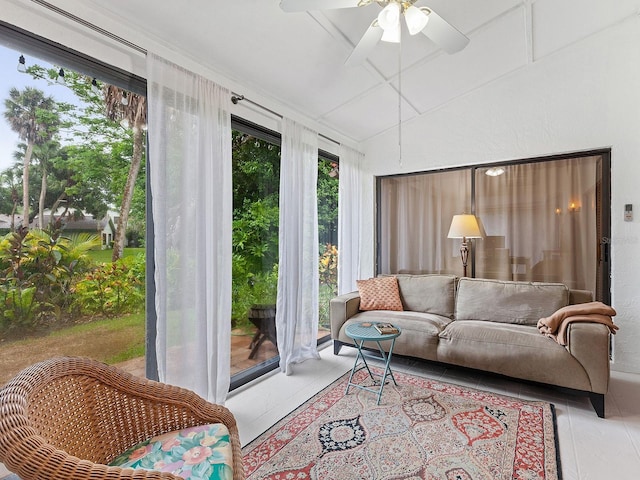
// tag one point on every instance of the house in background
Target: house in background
(6, 222)
(539, 78)
(83, 222)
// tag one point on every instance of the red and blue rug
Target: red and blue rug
(422, 429)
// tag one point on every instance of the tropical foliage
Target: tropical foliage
(111, 289)
(47, 280)
(256, 184)
(34, 117)
(37, 271)
(329, 266)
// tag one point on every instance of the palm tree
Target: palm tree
(44, 153)
(130, 112)
(31, 115)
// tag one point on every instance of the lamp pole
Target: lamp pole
(464, 255)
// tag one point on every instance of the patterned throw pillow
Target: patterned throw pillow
(379, 293)
(202, 452)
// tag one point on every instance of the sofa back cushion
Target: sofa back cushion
(521, 303)
(428, 293)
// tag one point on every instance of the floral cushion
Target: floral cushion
(202, 452)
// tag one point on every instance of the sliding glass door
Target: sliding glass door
(415, 213)
(256, 194)
(543, 220)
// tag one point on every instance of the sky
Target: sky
(12, 78)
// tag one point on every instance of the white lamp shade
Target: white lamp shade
(392, 34)
(464, 226)
(416, 19)
(389, 17)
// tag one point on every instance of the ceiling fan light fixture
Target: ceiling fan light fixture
(416, 19)
(392, 35)
(389, 17)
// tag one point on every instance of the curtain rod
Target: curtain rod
(90, 25)
(235, 98)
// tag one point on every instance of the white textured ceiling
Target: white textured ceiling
(298, 58)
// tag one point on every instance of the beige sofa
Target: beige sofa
(489, 325)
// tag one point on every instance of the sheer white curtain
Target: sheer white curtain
(350, 207)
(298, 278)
(190, 171)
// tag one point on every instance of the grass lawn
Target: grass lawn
(104, 256)
(111, 341)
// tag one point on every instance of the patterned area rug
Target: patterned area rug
(422, 429)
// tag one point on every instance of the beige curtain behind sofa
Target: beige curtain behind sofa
(415, 215)
(539, 220)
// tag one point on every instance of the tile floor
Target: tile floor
(590, 448)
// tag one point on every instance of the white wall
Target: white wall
(583, 95)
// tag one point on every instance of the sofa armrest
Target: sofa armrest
(342, 308)
(589, 344)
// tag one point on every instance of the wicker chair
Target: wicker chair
(66, 418)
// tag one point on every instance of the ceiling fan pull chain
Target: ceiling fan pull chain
(400, 105)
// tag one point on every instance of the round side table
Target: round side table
(361, 334)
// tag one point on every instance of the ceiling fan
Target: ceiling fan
(387, 26)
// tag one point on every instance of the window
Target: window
(544, 220)
(256, 183)
(73, 184)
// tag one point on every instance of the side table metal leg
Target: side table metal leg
(387, 367)
(388, 363)
(359, 356)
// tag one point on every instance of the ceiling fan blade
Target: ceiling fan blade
(368, 41)
(304, 5)
(445, 35)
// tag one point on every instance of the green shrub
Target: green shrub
(111, 288)
(328, 267)
(37, 270)
(252, 289)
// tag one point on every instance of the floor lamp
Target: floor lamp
(464, 226)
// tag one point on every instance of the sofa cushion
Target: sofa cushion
(514, 350)
(428, 293)
(379, 293)
(508, 302)
(420, 331)
(196, 452)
